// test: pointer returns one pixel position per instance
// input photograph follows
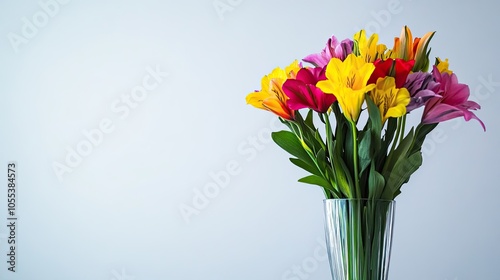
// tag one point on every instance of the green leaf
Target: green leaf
(400, 152)
(401, 174)
(289, 142)
(313, 139)
(309, 119)
(376, 183)
(316, 180)
(304, 165)
(340, 132)
(390, 131)
(321, 159)
(349, 147)
(319, 140)
(421, 132)
(375, 121)
(365, 151)
(370, 141)
(341, 129)
(343, 176)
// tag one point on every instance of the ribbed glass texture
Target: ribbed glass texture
(359, 237)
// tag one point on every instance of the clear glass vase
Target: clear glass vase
(359, 237)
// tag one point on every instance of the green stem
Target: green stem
(394, 142)
(329, 143)
(398, 132)
(355, 158)
(403, 125)
(313, 158)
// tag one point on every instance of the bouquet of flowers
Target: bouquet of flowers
(360, 79)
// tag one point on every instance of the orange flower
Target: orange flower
(407, 48)
(271, 96)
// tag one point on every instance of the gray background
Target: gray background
(116, 213)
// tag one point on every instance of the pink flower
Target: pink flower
(303, 92)
(454, 102)
(332, 49)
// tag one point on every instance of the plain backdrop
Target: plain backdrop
(123, 115)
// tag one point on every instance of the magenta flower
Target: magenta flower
(454, 102)
(422, 87)
(303, 92)
(332, 49)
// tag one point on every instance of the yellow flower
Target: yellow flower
(442, 66)
(390, 100)
(368, 48)
(292, 69)
(347, 80)
(271, 96)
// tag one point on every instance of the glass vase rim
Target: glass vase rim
(358, 199)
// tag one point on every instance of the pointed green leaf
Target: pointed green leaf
(390, 131)
(307, 167)
(319, 140)
(376, 183)
(290, 143)
(349, 147)
(375, 121)
(365, 151)
(309, 119)
(420, 134)
(399, 153)
(389, 134)
(401, 173)
(343, 176)
(321, 159)
(370, 143)
(316, 180)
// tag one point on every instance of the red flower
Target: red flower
(397, 68)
